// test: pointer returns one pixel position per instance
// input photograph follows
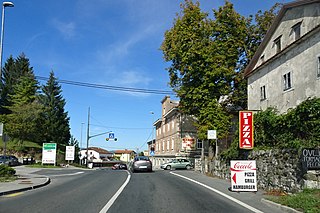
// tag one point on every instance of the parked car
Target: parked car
(141, 163)
(177, 164)
(9, 160)
(119, 166)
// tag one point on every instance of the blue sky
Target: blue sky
(108, 42)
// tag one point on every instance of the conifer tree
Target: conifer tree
(57, 129)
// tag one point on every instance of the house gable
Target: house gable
(294, 21)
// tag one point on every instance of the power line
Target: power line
(108, 87)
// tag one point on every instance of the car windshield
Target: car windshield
(142, 158)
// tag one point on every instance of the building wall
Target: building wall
(171, 128)
(308, 15)
(301, 60)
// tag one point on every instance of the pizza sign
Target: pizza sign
(246, 130)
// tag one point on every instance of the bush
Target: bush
(6, 171)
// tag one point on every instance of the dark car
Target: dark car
(119, 166)
(141, 163)
(9, 160)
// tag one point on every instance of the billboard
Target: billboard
(246, 130)
(70, 152)
(243, 175)
(188, 143)
(49, 151)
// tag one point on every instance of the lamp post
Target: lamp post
(4, 5)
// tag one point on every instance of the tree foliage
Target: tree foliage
(56, 123)
(22, 120)
(204, 54)
(28, 114)
(299, 127)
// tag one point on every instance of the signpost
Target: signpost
(243, 175)
(49, 151)
(246, 129)
(70, 152)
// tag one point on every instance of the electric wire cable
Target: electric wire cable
(108, 87)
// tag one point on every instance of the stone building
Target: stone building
(176, 135)
(285, 69)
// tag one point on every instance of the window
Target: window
(172, 144)
(277, 43)
(318, 68)
(297, 31)
(263, 95)
(199, 144)
(287, 81)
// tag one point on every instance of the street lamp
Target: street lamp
(4, 5)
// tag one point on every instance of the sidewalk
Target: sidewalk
(27, 180)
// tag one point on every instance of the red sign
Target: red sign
(246, 130)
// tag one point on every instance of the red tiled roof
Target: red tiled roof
(99, 150)
(126, 151)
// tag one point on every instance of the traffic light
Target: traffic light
(115, 139)
(107, 139)
(152, 148)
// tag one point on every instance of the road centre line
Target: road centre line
(116, 195)
(220, 193)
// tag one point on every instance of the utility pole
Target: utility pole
(87, 155)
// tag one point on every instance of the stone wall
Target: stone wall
(276, 169)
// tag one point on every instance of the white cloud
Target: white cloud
(67, 29)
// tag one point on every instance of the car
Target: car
(177, 164)
(9, 160)
(141, 163)
(119, 166)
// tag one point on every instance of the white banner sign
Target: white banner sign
(49, 151)
(212, 134)
(70, 152)
(243, 175)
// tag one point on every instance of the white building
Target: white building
(285, 69)
(95, 155)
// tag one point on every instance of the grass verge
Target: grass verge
(307, 201)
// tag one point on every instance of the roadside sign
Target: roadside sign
(243, 175)
(49, 153)
(1, 129)
(152, 153)
(70, 152)
(111, 136)
(245, 129)
(212, 134)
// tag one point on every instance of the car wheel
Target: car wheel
(188, 167)
(168, 167)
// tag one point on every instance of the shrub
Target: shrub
(6, 171)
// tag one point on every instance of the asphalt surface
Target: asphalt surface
(28, 179)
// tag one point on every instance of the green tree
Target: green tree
(23, 111)
(13, 70)
(56, 123)
(204, 55)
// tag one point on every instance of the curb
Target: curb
(279, 206)
(48, 180)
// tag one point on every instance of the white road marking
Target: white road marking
(221, 193)
(77, 173)
(116, 195)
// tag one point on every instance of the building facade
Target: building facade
(176, 135)
(285, 70)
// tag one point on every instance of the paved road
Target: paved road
(76, 190)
